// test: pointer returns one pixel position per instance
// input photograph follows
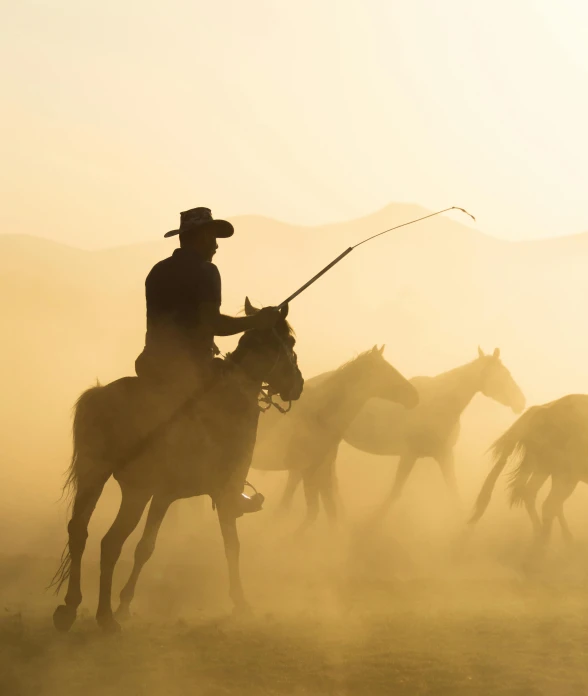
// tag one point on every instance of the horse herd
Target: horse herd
(366, 403)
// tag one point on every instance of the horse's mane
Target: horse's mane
(327, 378)
(352, 361)
(290, 330)
(443, 380)
(284, 331)
(448, 374)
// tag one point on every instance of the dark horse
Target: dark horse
(547, 441)
(181, 462)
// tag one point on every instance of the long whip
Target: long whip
(351, 248)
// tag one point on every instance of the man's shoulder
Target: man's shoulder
(161, 268)
(178, 265)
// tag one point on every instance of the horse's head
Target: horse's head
(384, 381)
(272, 351)
(498, 384)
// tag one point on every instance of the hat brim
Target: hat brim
(222, 229)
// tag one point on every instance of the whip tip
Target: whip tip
(463, 210)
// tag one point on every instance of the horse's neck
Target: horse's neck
(240, 378)
(344, 395)
(455, 389)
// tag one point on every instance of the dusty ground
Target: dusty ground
(407, 652)
(353, 614)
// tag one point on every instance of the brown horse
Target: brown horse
(306, 444)
(183, 459)
(429, 430)
(548, 441)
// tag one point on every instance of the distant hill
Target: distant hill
(432, 292)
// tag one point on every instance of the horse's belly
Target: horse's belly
(387, 429)
(370, 433)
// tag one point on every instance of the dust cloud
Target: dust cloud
(411, 605)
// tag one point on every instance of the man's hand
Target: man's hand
(221, 325)
(266, 318)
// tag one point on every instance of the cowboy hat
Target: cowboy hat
(199, 219)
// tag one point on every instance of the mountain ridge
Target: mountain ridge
(388, 212)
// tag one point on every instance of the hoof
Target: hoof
(123, 613)
(64, 617)
(108, 624)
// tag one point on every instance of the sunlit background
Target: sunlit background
(311, 124)
(117, 115)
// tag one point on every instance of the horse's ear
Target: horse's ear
(480, 352)
(375, 349)
(496, 353)
(381, 350)
(284, 311)
(249, 308)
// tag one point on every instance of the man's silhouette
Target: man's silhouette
(183, 294)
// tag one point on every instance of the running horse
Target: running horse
(431, 429)
(307, 443)
(547, 441)
(181, 462)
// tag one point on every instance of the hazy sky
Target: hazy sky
(120, 113)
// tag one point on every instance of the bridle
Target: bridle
(266, 395)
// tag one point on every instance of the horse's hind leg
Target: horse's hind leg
(529, 497)
(561, 489)
(143, 552)
(328, 486)
(87, 496)
(131, 508)
(310, 482)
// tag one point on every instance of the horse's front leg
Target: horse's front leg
(294, 478)
(131, 508)
(405, 467)
(446, 461)
(228, 525)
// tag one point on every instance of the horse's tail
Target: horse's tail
(84, 441)
(511, 442)
(519, 478)
(84, 422)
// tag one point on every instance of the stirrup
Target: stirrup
(251, 503)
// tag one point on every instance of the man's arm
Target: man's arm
(223, 325)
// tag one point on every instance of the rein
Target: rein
(266, 401)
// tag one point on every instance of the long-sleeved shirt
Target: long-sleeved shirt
(175, 289)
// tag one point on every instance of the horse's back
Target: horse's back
(557, 434)
(106, 416)
(570, 403)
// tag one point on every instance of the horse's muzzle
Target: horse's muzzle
(293, 393)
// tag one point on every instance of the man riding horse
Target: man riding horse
(183, 296)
